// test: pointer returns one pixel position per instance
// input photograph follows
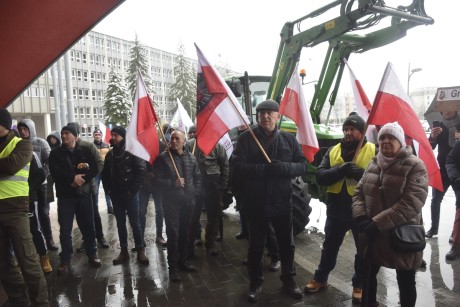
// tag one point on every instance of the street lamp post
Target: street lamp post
(409, 74)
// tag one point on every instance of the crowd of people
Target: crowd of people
(371, 190)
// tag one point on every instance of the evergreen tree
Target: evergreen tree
(117, 105)
(184, 87)
(138, 60)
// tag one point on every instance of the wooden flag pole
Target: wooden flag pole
(169, 150)
(252, 134)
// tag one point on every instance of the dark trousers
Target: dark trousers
(436, 199)
(44, 212)
(177, 219)
(212, 204)
(97, 216)
(15, 231)
(335, 231)
(127, 204)
(195, 226)
(406, 284)
(144, 198)
(97, 181)
(258, 230)
(82, 208)
(39, 240)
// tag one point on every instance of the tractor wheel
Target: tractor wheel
(301, 200)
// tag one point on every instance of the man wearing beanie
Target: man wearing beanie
(122, 177)
(97, 218)
(266, 194)
(340, 174)
(26, 128)
(103, 150)
(15, 157)
(73, 168)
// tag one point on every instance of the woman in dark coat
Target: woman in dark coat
(391, 192)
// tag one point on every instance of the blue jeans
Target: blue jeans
(97, 180)
(127, 204)
(144, 197)
(335, 231)
(82, 208)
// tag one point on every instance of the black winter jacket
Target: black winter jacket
(262, 192)
(63, 166)
(165, 176)
(123, 172)
(453, 170)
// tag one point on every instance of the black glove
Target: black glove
(276, 167)
(357, 173)
(371, 230)
(362, 222)
(346, 169)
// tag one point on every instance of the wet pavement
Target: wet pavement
(223, 281)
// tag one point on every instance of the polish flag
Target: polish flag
(362, 103)
(181, 120)
(105, 132)
(293, 105)
(217, 109)
(392, 105)
(226, 141)
(141, 136)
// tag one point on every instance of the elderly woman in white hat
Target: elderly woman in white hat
(391, 193)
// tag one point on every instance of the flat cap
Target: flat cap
(268, 105)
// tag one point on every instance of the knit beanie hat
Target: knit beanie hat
(5, 119)
(71, 129)
(268, 105)
(97, 131)
(121, 131)
(395, 130)
(355, 121)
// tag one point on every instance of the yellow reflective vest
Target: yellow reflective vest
(365, 156)
(15, 185)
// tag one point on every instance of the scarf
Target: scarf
(383, 161)
(451, 125)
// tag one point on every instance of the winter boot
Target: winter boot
(454, 253)
(141, 257)
(45, 263)
(122, 257)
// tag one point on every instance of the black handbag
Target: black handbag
(408, 238)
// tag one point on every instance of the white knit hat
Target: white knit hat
(395, 130)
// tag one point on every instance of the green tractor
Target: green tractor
(354, 16)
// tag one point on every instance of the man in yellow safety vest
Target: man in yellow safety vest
(15, 157)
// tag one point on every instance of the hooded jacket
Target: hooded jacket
(57, 135)
(40, 145)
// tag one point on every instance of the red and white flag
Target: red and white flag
(141, 136)
(105, 132)
(217, 109)
(392, 105)
(293, 105)
(362, 103)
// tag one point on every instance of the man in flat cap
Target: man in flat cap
(266, 192)
(340, 175)
(73, 167)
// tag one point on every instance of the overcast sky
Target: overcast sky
(245, 36)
